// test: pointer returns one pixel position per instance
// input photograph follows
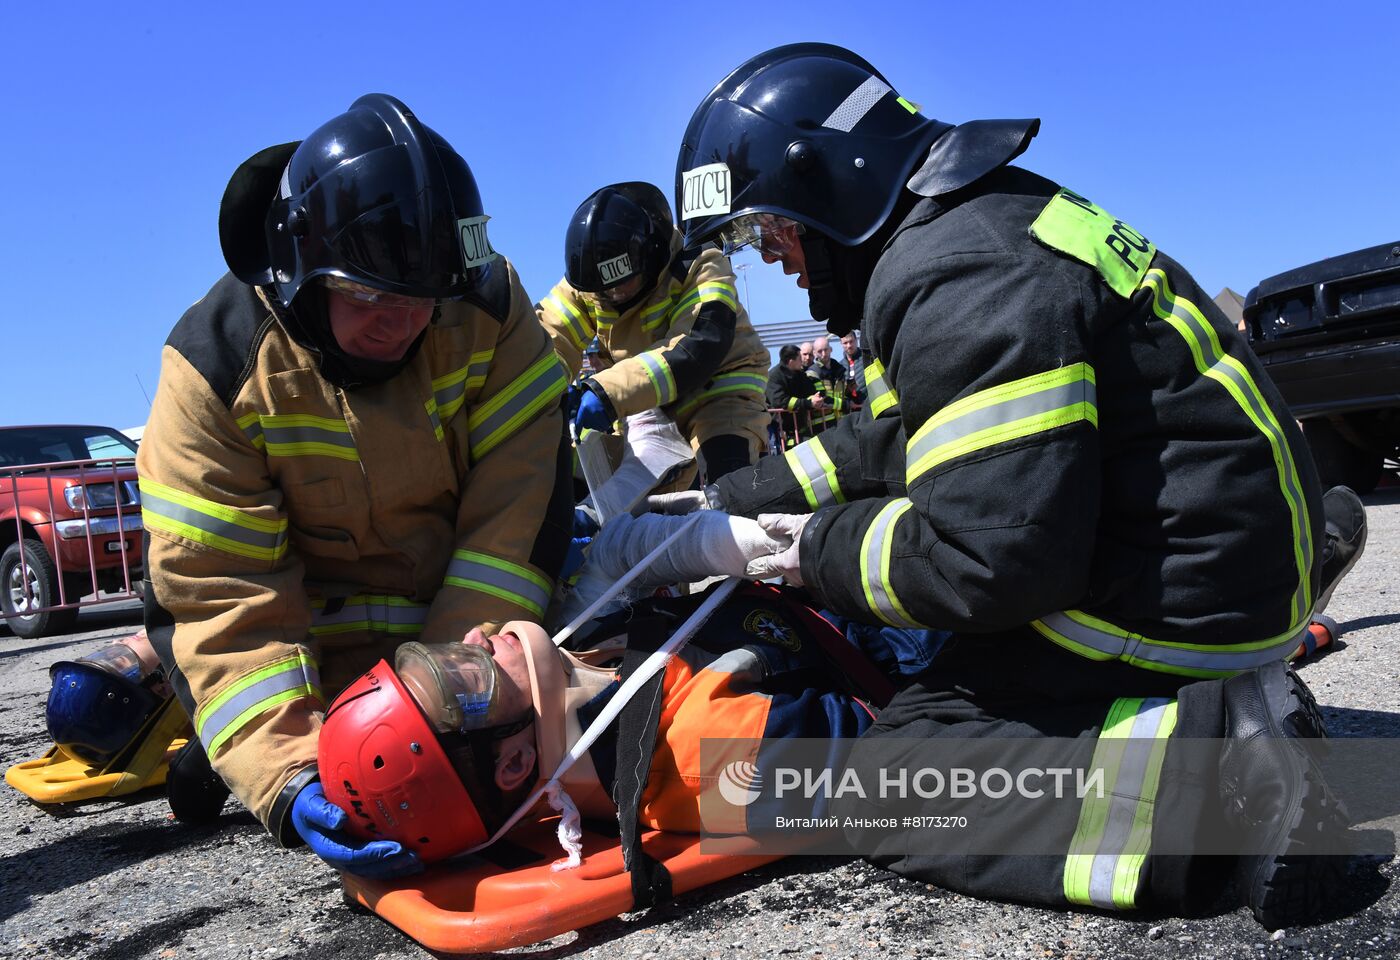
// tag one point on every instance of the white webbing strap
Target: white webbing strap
(569, 833)
(620, 585)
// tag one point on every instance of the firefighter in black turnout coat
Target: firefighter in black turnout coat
(1068, 457)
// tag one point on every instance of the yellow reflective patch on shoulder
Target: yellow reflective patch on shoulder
(1085, 231)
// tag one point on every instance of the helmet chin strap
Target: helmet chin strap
(838, 276)
(829, 289)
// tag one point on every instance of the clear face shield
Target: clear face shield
(771, 235)
(457, 685)
(131, 659)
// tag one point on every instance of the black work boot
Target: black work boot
(195, 791)
(1343, 541)
(1274, 794)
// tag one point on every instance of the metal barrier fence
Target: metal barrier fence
(791, 427)
(68, 530)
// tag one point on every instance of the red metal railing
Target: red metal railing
(127, 519)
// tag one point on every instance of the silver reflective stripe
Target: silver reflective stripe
(265, 544)
(1226, 658)
(1125, 796)
(498, 578)
(815, 473)
(1214, 362)
(857, 105)
(660, 373)
(875, 566)
(383, 613)
(995, 415)
(505, 413)
(299, 677)
(880, 395)
(306, 434)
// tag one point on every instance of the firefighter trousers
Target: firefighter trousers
(1003, 705)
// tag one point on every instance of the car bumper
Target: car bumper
(1343, 379)
(97, 526)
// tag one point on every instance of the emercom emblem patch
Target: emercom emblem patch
(1085, 231)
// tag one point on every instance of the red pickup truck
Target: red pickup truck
(70, 523)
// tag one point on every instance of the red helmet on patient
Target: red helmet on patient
(382, 763)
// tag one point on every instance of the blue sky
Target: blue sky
(1242, 138)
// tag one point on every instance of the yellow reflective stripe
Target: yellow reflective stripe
(878, 393)
(1212, 361)
(212, 524)
(1103, 867)
(252, 695)
(1002, 413)
(496, 577)
(580, 331)
(706, 292)
(815, 473)
(252, 429)
(657, 314)
(658, 371)
(430, 405)
(499, 418)
(382, 613)
(450, 390)
(305, 435)
(725, 383)
(875, 566)
(1098, 639)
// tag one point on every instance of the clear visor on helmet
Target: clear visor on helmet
(771, 235)
(362, 295)
(131, 659)
(117, 659)
(455, 684)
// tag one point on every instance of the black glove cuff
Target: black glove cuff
(279, 818)
(596, 388)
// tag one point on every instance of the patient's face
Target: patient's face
(513, 677)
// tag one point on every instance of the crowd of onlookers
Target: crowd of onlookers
(809, 388)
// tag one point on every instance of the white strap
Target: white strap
(621, 584)
(629, 688)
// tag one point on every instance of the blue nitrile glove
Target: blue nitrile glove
(585, 522)
(585, 525)
(592, 414)
(572, 396)
(319, 822)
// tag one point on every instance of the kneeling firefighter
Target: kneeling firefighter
(357, 439)
(1069, 457)
(669, 322)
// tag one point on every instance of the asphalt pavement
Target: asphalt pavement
(118, 879)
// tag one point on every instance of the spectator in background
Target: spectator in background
(805, 352)
(855, 368)
(826, 368)
(790, 390)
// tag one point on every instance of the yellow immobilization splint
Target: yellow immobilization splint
(58, 777)
(510, 897)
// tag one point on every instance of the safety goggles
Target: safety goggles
(368, 296)
(771, 235)
(457, 685)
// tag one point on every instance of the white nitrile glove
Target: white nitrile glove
(678, 504)
(781, 527)
(716, 545)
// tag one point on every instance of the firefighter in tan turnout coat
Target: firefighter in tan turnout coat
(356, 441)
(670, 322)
